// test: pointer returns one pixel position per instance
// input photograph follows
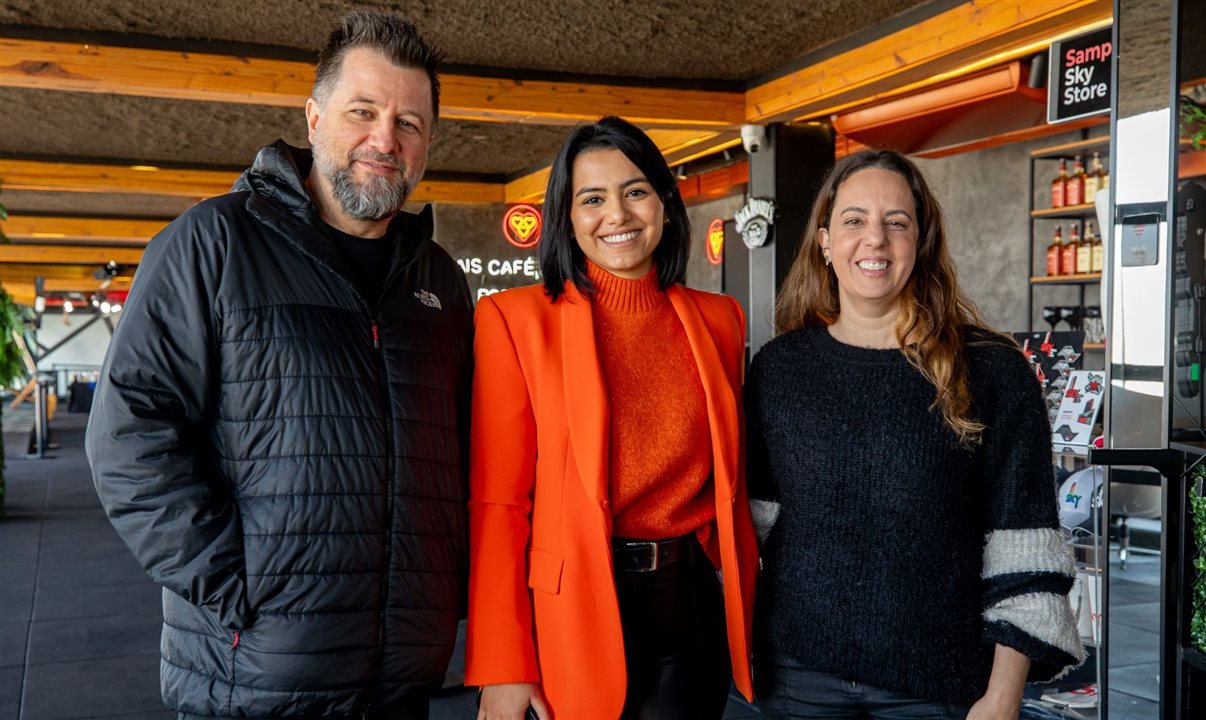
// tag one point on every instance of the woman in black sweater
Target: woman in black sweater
(901, 475)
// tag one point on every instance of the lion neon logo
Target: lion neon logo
(521, 226)
(716, 241)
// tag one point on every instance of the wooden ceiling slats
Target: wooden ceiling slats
(58, 229)
(687, 123)
(46, 176)
(81, 67)
(919, 55)
(68, 254)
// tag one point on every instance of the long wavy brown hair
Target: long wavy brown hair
(935, 314)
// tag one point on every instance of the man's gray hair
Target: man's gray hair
(392, 36)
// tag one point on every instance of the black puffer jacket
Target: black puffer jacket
(286, 457)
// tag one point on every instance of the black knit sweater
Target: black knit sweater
(899, 558)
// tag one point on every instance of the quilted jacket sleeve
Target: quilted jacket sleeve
(147, 439)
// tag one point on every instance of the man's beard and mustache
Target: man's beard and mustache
(374, 198)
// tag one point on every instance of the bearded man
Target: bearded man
(280, 426)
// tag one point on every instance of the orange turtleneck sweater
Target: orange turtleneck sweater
(661, 450)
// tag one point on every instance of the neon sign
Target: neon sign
(521, 226)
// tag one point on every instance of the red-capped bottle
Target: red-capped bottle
(1068, 253)
(1058, 185)
(1074, 188)
(1053, 252)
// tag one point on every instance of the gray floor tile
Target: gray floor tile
(57, 641)
(112, 568)
(143, 600)
(1139, 680)
(1123, 706)
(16, 599)
(1132, 646)
(1139, 615)
(1125, 592)
(115, 686)
(12, 643)
(10, 691)
(455, 706)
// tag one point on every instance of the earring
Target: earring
(828, 258)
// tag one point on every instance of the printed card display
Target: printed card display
(1054, 356)
(1078, 407)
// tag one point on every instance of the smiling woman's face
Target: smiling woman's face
(617, 217)
(872, 239)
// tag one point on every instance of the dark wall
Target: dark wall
(472, 235)
(701, 274)
(984, 197)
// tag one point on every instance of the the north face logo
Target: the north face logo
(428, 299)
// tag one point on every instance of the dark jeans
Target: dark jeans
(675, 645)
(787, 691)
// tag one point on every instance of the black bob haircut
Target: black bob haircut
(561, 260)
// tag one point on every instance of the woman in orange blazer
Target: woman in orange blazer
(613, 558)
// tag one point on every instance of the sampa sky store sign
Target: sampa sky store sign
(1079, 81)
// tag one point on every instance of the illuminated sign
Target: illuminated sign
(715, 242)
(1079, 81)
(521, 226)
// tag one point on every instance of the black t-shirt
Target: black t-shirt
(369, 258)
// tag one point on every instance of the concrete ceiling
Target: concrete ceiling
(697, 39)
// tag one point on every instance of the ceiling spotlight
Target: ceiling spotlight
(105, 307)
(68, 307)
(680, 172)
(116, 307)
(40, 304)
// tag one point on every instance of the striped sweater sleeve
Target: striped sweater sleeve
(1027, 567)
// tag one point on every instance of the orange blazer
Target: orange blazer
(542, 601)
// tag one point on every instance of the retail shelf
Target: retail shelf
(1061, 449)
(1191, 163)
(1083, 279)
(1194, 447)
(1094, 346)
(1086, 210)
(1067, 150)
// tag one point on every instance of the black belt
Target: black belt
(649, 555)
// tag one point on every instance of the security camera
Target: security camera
(753, 137)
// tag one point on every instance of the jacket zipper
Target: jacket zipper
(389, 498)
(388, 416)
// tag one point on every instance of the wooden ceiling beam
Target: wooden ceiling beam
(962, 39)
(677, 146)
(23, 292)
(90, 255)
(18, 279)
(80, 67)
(192, 183)
(47, 229)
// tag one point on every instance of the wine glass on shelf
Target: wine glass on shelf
(1072, 315)
(1051, 316)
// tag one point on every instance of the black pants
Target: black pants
(675, 645)
(789, 691)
